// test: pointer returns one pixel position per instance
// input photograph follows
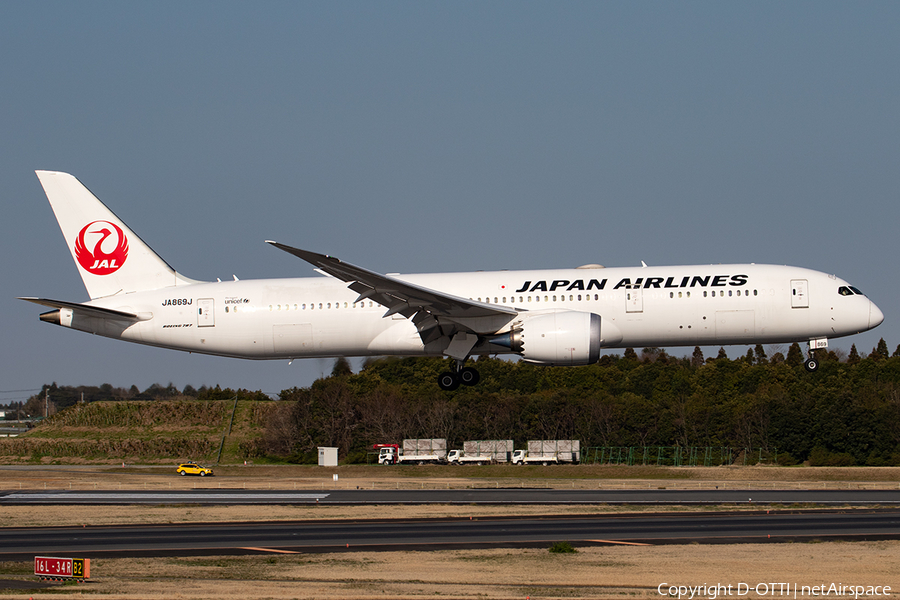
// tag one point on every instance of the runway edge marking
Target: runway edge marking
(618, 542)
(275, 550)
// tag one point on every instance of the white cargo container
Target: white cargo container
(498, 450)
(425, 446)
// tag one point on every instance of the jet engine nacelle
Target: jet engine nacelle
(558, 338)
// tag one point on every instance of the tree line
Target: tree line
(845, 413)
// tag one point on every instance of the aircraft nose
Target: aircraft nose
(875, 315)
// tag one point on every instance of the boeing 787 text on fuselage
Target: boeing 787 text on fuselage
(548, 317)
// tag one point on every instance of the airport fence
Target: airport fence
(677, 456)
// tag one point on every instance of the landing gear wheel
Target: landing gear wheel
(469, 376)
(448, 381)
(811, 364)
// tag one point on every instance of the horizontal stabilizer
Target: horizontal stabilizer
(87, 309)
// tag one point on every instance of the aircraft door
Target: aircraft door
(206, 312)
(634, 300)
(799, 293)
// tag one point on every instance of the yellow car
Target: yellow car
(194, 469)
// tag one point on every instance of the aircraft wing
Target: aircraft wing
(427, 308)
(86, 309)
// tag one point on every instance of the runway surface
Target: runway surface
(784, 515)
(470, 496)
(433, 534)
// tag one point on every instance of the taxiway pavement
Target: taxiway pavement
(501, 496)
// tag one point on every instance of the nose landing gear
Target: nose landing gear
(812, 363)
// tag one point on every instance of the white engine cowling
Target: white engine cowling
(559, 338)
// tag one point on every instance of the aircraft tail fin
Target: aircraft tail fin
(110, 258)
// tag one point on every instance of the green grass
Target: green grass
(562, 548)
(173, 430)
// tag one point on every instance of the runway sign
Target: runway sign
(62, 568)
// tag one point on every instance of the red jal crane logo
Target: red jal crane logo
(98, 261)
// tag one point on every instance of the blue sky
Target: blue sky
(415, 137)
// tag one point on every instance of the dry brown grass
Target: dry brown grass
(598, 572)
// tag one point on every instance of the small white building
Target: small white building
(328, 457)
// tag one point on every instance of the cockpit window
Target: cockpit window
(849, 290)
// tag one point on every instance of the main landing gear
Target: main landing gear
(450, 380)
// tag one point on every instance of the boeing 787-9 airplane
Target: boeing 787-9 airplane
(548, 317)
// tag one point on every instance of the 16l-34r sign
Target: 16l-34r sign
(62, 568)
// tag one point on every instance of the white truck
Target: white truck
(548, 452)
(459, 457)
(482, 452)
(413, 452)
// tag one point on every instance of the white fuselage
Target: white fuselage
(644, 306)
